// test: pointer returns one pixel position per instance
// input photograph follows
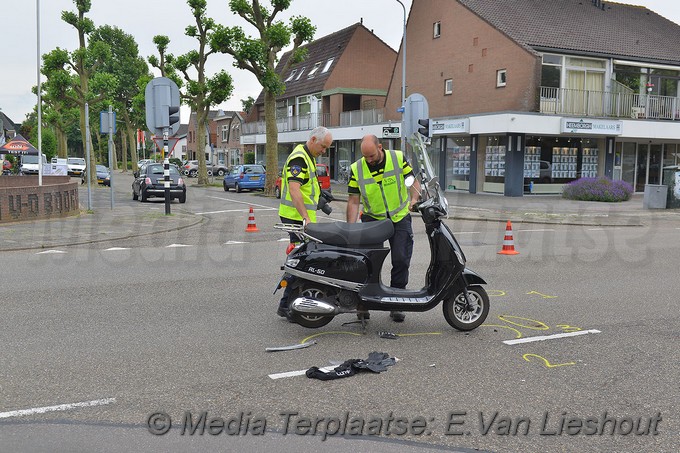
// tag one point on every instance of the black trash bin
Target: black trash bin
(671, 179)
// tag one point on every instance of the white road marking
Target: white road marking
(234, 242)
(284, 240)
(545, 229)
(177, 245)
(595, 229)
(60, 407)
(50, 252)
(267, 208)
(467, 232)
(113, 249)
(222, 212)
(297, 373)
(550, 337)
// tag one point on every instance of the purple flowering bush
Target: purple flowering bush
(597, 189)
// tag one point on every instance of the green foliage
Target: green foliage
(247, 104)
(249, 157)
(176, 161)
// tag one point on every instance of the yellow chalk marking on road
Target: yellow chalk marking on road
(330, 333)
(545, 361)
(519, 334)
(499, 292)
(537, 325)
(542, 295)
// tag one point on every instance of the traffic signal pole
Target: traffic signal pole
(166, 170)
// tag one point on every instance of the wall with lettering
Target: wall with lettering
(22, 199)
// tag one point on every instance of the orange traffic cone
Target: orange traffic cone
(251, 228)
(508, 242)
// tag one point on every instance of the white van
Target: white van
(29, 164)
(76, 166)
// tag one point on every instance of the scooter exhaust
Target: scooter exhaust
(310, 306)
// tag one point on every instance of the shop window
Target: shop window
(458, 162)
(436, 29)
(501, 77)
(494, 161)
(448, 86)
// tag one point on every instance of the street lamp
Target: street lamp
(403, 79)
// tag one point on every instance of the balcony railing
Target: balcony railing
(309, 122)
(564, 101)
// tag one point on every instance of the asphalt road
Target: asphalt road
(177, 323)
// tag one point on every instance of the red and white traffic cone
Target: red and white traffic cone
(508, 242)
(251, 228)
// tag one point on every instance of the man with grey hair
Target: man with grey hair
(300, 190)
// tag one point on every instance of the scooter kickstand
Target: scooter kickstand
(362, 321)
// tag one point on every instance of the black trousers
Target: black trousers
(283, 302)
(401, 250)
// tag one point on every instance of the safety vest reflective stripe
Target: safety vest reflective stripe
(309, 190)
(367, 187)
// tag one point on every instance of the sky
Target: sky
(144, 19)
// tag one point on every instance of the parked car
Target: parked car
(143, 162)
(241, 177)
(322, 175)
(149, 183)
(191, 168)
(76, 166)
(103, 175)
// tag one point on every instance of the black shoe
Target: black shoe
(363, 315)
(283, 312)
(397, 316)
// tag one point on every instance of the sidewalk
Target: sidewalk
(544, 209)
(126, 222)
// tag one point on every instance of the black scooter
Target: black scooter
(337, 268)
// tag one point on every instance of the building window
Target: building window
(300, 74)
(328, 65)
(448, 86)
(225, 133)
(471, 68)
(436, 29)
(484, 52)
(501, 77)
(290, 77)
(551, 71)
(313, 70)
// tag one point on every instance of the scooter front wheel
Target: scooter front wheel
(462, 317)
(308, 320)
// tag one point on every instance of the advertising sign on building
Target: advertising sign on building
(391, 132)
(591, 126)
(457, 126)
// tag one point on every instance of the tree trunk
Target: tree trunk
(123, 151)
(132, 139)
(201, 119)
(272, 146)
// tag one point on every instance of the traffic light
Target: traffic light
(424, 128)
(173, 118)
(162, 106)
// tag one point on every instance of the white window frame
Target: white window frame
(312, 71)
(292, 74)
(225, 133)
(436, 29)
(328, 65)
(448, 86)
(302, 70)
(501, 78)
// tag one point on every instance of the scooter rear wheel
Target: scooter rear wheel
(457, 314)
(308, 320)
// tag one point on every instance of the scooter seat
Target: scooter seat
(345, 234)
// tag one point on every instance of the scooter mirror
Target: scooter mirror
(409, 181)
(433, 182)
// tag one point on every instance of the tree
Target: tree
(200, 91)
(75, 72)
(247, 104)
(127, 67)
(259, 56)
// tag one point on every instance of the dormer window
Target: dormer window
(328, 65)
(290, 77)
(313, 70)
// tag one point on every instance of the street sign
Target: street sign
(104, 122)
(391, 132)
